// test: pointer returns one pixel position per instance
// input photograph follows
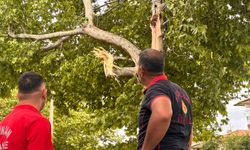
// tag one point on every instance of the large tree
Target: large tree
(206, 44)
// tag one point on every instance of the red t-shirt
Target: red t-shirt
(25, 129)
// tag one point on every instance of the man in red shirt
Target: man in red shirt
(25, 128)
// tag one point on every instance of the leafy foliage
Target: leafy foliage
(228, 143)
(6, 106)
(210, 145)
(237, 142)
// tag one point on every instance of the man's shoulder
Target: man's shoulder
(27, 116)
(28, 113)
(169, 85)
(38, 118)
(42, 121)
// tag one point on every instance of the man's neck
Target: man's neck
(150, 79)
(29, 102)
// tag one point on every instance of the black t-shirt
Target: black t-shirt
(178, 133)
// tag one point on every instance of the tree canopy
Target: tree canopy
(207, 53)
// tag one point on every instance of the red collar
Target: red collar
(155, 79)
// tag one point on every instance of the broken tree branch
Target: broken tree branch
(156, 22)
(110, 69)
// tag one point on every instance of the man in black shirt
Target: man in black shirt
(165, 118)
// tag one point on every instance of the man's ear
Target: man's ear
(44, 93)
(17, 95)
(21, 96)
(142, 71)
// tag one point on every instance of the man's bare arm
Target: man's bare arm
(158, 123)
(190, 140)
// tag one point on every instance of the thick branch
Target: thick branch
(45, 36)
(89, 30)
(126, 71)
(156, 22)
(56, 44)
(113, 39)
(88, 11)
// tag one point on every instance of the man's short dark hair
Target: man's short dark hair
(152, 61)
(29, 82)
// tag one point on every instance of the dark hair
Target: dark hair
(152, 61)
(29, 82)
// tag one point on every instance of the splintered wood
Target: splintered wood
(107, 60)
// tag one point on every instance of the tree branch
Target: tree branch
(113, 39)
(44, 36)
(56, 44)
(156, 22)
(126, 71)
(120, 58)
(110, 69)
(88, 11)
(89, 30)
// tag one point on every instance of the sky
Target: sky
(237, 118)
(236, 114)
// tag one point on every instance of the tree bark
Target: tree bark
(114, 39)
(44, 36)
(88, 11)
(156, 23)
(126, 71)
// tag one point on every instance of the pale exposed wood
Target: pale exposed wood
(157, 34)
